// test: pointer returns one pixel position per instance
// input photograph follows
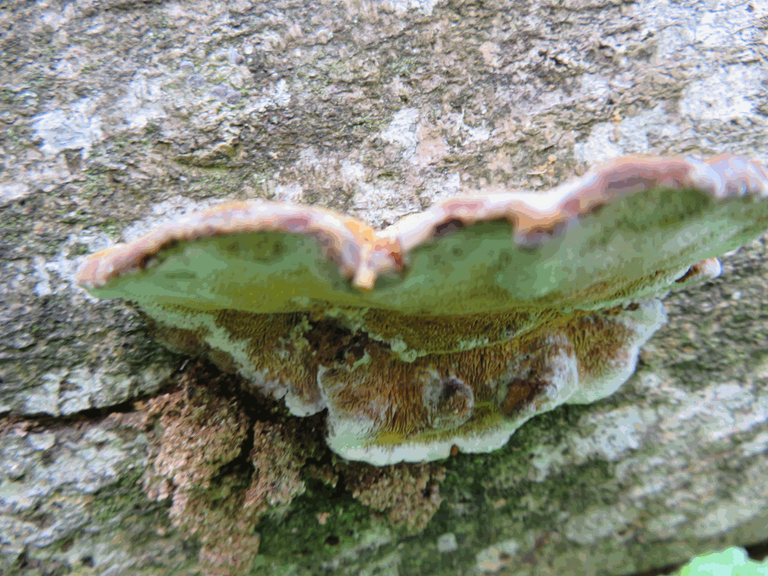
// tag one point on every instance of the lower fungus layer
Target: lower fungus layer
(452, 328)
(383, 409)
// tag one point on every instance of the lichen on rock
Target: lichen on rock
(409, 494)
(200, 435)
(221, 472)
(278, 454)
(223, 469)
(454, 327)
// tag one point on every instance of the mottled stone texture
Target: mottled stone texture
(118, 114)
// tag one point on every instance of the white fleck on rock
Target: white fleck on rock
(630, 136)
(476, 133)
(368, 541)
(447, 543)
(41, 441)
(666, 525)
(757, 446)
(45, 397)
(402, 6)
(730, 93)
(472, 133)
(599, 523)
(142, 102)
(352, 171)
(402, 129)
(492, 559)
(545, 460)
(615, 433)
(292, 193)
(721, 411)
(437, 189)
(78, 130)
(280, 94)
(43, 287)
(62, 392)
(11, 191)
(733, 26)
(383, 204)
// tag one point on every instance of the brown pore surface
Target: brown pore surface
(365, 378)
(390, 391)
(270, 339)
(429, 334)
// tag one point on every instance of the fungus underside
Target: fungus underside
(453, 327)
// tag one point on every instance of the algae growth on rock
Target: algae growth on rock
(452, 328)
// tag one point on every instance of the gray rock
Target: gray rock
(116, 115)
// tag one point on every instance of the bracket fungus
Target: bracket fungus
(453, 327)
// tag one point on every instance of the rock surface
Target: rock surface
(116, 115)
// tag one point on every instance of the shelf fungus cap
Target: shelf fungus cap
(456, 325)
